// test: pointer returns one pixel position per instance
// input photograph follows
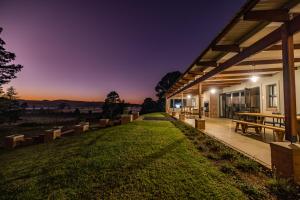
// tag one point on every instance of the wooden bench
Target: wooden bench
(12, 141)
(278, 131)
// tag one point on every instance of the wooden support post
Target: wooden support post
(167, 105)
(200, 100)
(181, 102)
(173, 105)
(289, 84)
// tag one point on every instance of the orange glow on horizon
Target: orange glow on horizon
(52, 98)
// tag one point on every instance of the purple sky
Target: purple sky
(81, 50)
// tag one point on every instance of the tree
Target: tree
(10, 109)
(11, 93)
(149, 106)
(7, 70)
(112, 97)
(113, 106)
(163, 86)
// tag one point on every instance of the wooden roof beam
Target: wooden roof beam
(195, 73)
(227, 48)
(207, 63)
(250, 71)
(235, 77)
(263, 62)
(279, 47)
(267, 15)
(221, 83)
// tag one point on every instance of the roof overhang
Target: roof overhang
(249, 44)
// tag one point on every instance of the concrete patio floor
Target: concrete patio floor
(223, 130)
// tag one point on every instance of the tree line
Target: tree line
(149, 105)
(9, 106)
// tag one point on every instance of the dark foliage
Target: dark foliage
(149, 106)
(112, 97)
(162, 87)
(113, 106)
(7, 70)
(10, 110)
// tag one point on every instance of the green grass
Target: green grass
(140, 160)
(154, 115)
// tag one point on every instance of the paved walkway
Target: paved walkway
(223, 130)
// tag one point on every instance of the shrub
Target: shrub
(201, 147)
(227, 155)
(195, 142)
(227, 168)
(212, 156)
(252, 192)
(247, 165)
(284, 189)
(213, 145)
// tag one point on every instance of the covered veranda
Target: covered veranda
(261, 41)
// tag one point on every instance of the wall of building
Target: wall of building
(263, 83)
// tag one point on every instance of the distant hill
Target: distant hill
(56, 103)
(68, 103)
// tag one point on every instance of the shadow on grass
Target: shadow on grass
(123, 174)
(139, 164)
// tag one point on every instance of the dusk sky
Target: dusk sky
(81, 50)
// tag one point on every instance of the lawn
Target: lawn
(140, 160)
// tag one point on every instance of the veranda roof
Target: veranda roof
(250, 43)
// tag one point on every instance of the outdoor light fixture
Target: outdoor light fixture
(213, 91)
(254, 78)
(189, 96)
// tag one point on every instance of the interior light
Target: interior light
(189, 96)
(254, 78)
(213, 91)
(177, 105)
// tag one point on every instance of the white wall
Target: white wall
(262, 83)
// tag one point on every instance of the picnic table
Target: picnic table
(258, 122)
(261, 117)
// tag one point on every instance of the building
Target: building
(252, 66)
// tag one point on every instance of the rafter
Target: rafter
(227, 48)
(207, 63)
(250, 71)
(267, 15)
(263, 62)
(235, 77)
(279, 47)
(196, 73)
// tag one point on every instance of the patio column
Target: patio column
(173, 105)
(167, 105)
(200, 99)
(289, 84)
(181, 102)
(285, 157)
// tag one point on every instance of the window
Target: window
(272, 96)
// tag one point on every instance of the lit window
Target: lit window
(272, 96)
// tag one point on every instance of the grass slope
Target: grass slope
(140, 160)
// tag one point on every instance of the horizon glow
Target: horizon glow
(74, 50)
